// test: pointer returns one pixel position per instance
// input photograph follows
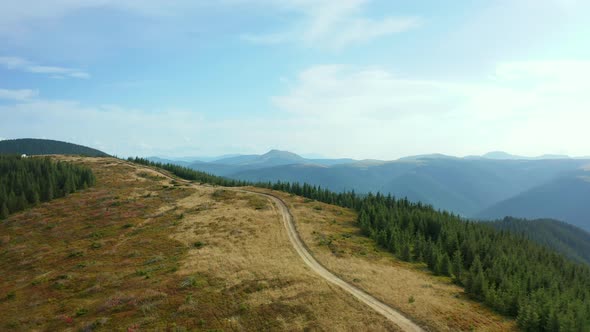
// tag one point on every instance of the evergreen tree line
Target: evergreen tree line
(25, 182)
(508, 272)
(571, 241)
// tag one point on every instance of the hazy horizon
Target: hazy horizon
(349, 79)
(207, 158)
(320, 156)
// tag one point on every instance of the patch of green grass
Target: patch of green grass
(194, 281)
(244, 307)
(81, 312)
(75, 254)
(146, 274)
(10, 295)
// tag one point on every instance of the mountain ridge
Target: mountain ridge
(466, 186)
(564, 198)
(36, 146)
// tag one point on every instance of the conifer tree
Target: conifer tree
(457, 266)
(477, 283)
(446, 268)
(406, 251)
(4, 211)
(26, 182)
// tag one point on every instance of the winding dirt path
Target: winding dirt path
(393, 315)
(388, 312)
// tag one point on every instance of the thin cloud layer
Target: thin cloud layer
(515, 109)
(350, 111)
(20, 64)
(20, 94)
(332, 24)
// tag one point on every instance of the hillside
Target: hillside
(565, 238)
(510, 273)
(34, 146)
(26, 182)
(564, 198)
(141, 251)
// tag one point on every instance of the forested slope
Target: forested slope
(33, 146)
(563, 237)
(25, 182)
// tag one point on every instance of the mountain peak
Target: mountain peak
(281, 156)
(274, 153)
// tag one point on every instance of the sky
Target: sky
(364, 79)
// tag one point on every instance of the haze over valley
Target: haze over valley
(484, 187)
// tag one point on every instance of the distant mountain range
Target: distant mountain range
(34, 146)
(566, 197)
(567, 239)
(278, 154)
(485, 187)
(491, 186)
(501, 155)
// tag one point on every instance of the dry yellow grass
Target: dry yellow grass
(436, 303)
(238, 237)
(142, 252)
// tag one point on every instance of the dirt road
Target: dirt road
(382, 308)
(393, 315)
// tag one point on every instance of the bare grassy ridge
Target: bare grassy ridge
(435, 302)
(141, 252)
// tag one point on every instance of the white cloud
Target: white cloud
(332, 24)
(526, 107)
(17, 63)
(126, 131)
(21, 94)
(314, 23)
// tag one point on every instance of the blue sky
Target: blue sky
(348, 78)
